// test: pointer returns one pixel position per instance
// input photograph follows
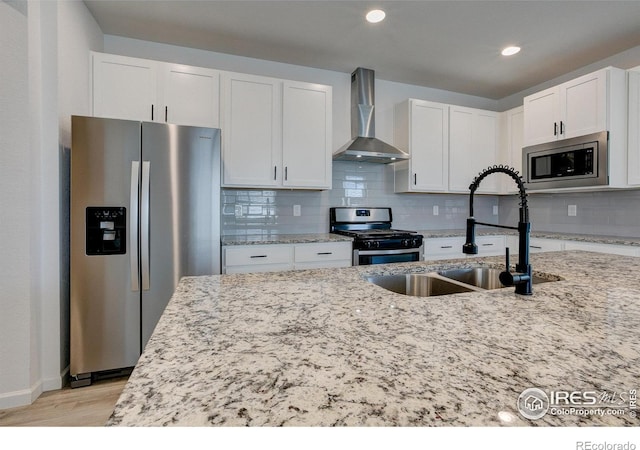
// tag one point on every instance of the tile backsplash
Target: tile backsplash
(264, 212)
(609, 213)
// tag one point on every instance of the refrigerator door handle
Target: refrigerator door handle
(144, 225)
(133, 230)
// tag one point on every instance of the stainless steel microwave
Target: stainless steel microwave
(568, 163)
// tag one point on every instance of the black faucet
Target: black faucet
(521, 278)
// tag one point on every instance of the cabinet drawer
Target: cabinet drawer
(258, 254)
(322, 252)
(441, 248)
(490, 245)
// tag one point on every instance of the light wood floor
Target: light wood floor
(88, 406)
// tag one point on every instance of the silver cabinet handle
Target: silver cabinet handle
(133, 224)
(446, 246)
(286, 173)
(144, 225)
(275, 172)
(258, 256)
(324, 253)
(486, 245)
(535, 246)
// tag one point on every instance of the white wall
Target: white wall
(78, 34)
(15, 213)
(42, 37)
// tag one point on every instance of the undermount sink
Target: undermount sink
(482, 277)
(446, 282)
(418, 285)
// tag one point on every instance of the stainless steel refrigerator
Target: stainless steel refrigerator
(145, 211)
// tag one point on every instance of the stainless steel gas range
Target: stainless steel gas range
(374, 241)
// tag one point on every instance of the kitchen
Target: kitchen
(35, 353)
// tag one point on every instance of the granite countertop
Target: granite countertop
(480, 231)
(258, 239)
(325, 347)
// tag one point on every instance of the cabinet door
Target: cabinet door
(124, 88)
(191, 96)
(583, 105)
(514, 143)
(429, 146)
(633, 148)
(485, 152)
(306, 135)
(462, 169)
(541, 117)
(252, 141)
(473, 146)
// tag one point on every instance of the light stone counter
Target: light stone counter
(325, 347)
(260, 239)
(484, 231)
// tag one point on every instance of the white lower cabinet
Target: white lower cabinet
(490, 245)
(451, 247)
(279, 257)
(321, 255)
(257, 258)
(443, 248)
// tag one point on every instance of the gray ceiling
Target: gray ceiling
(451, 45)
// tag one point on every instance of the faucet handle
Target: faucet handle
(506, 278)
(506, 256)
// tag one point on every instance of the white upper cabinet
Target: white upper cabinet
(512, 127)
(277, 134)
(634, 127)
(306, 135)
(473, 147)
(141, 89)
(124, 88)
(422, 130)
(191, 95)
(252, 138)
(575, 108)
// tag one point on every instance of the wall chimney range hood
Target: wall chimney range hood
(364, 146)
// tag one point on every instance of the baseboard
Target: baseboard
(22, 397)
(26, 397)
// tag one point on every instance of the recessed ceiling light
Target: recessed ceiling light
(508, 51)
(375, 16)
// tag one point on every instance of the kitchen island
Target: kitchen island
(325, 347)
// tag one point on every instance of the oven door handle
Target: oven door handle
(400, 251)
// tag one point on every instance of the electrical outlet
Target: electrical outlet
(297, 210)
(495, 210)
(572, 210)
(238, 210)
(436, 210)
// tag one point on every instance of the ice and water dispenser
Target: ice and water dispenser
(106, 230)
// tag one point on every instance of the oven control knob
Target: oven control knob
(406, 243)
(375, 244)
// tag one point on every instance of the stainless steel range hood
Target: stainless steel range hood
(364, 146)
